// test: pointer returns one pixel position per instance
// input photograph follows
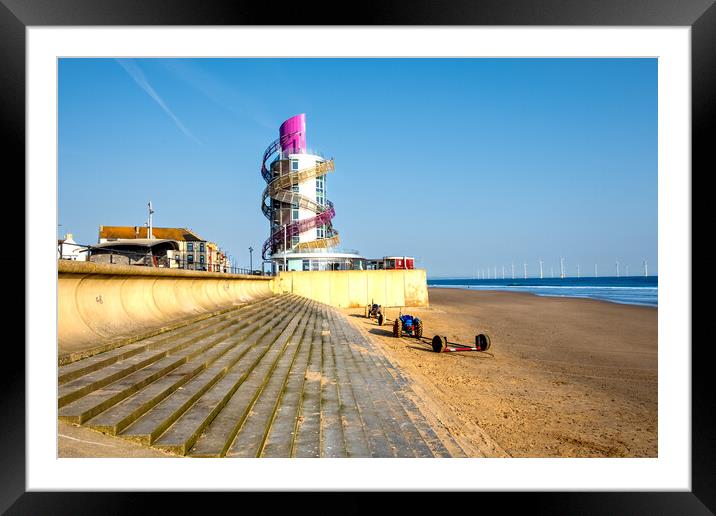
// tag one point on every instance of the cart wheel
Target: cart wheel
(397, 329)
(482, 342)
(439, 343)
(380, 319)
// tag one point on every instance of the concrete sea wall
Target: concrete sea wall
(101, 305)
(350, 289)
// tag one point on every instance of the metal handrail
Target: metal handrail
(149, 260)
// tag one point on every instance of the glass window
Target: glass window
(294, 164)
(190, 258)
(201, 247)
(294, 214)
(294, 241)
(294, 188)
(306, 265)
(190, 246)
(201, 258)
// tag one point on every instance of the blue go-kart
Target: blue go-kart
(408, 325)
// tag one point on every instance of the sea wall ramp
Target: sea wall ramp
(284, 376)
(352, 289)
(103, 306)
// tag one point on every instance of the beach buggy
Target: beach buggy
(408, 325)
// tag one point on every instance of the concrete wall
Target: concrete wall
(350, 289)
(100, 303)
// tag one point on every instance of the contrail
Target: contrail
(136, 73)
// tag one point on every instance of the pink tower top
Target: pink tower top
(297, 141)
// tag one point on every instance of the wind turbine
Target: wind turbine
(525, 265)
(561, 268)
(540, 269)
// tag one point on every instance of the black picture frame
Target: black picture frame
(16, 15)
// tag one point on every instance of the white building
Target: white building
(68, 249)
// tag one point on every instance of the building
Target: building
(190, 251)
(68, 249)
(301, 232)
(151, 252)
(390, 262)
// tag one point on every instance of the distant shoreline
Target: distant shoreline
(532, 294)
(623, 290)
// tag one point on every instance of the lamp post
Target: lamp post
(251, 260)
(284, 247)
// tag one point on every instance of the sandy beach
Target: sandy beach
(563, 377)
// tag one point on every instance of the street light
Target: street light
(251, 260)
(284, 246)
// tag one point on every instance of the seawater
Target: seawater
(630, 290)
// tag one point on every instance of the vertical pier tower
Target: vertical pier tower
(302, 236)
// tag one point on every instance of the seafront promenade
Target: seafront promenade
(280, 377)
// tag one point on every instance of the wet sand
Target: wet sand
(563, 377)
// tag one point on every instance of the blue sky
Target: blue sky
(463, 163)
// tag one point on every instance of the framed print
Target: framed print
(518, 181)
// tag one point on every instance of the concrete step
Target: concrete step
(368, 407)
(354, 427)
(306, 442)
(155, 351)
(281, 432)
(285, 377)
(247, 375)
(118, 417)
(251, 406)
(148, 427)
(402, 434)
(388, 374)
(82, 367)
(252, 436)
(405, 394)
(332, 440)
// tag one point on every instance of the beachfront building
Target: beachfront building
(68, 249)
(390, 262)
(187, 250)
(302, 236)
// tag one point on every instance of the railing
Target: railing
(322, 251)
(111, 256)
(284, 154)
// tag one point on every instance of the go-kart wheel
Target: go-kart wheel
(397, 329)
(482, 342)
(418, 331)
(439, 343)
(380, 319)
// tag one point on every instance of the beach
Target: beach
(563, 377)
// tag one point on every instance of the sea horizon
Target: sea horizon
(629, 290)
